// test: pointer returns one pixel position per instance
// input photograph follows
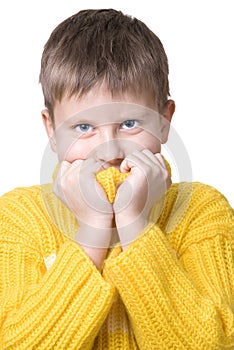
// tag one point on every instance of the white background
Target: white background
(198, 37)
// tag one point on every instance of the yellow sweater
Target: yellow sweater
(172, 288)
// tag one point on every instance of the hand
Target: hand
(76, 186)
(148, 181)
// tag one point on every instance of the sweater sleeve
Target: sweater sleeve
(187, 301)
(62, 308)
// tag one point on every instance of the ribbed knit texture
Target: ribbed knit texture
(110, 179)
(172, 288)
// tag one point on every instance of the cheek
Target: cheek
(74, 150)
(150, 142)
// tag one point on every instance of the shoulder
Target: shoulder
(18, 192)
(197, 193)
(199, 212)
(23, 218)
(22, 201)
(206, 198)
(36, 217)
(192, 202)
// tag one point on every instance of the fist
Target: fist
(76, 186)
(147, 183)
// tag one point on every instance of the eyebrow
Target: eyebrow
(93, 120)
(115, 112)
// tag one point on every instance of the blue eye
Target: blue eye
(83, 128)
(129, 124)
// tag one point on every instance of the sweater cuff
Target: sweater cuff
(143, 241)
(62, 303)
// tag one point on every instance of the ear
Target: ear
(168, 112)
(49, 127)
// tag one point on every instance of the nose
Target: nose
(110, 151)
(109, 148)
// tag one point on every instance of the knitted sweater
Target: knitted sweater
(172, 288)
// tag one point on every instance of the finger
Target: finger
(153, 157)
(161, 160)
(90, 167)
(166, 170)
(60, 175)
(139, 159)
(76, 164)
(85, 167)
(127, 164)
(64, 166)
(147, 158)
(156, 158)
(89, 186)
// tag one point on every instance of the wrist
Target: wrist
(96, 255)
(129, 230)
(94, 236)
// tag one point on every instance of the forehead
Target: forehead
(105, 104)
(115, 112)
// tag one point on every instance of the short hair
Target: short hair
(95, 46)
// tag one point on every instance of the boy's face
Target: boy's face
(107, 128)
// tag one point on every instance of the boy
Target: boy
(165, 280)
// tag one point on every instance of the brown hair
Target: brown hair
(93, 46)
